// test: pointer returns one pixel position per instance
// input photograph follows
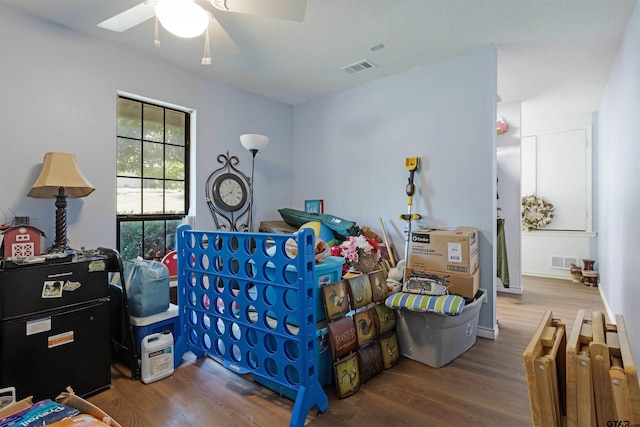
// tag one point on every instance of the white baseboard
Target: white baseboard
(610, 315)
(485, 332)
(509, 290)
(547, 276)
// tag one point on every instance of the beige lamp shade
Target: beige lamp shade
(60, 170)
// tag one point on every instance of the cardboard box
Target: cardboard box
(15, 407)
(276, 227)
(86, 407)
(451, 251)
(66, 398)
(83, 420)
(465, 285)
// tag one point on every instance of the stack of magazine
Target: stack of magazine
(49, 413)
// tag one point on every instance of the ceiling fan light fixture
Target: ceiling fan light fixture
(183, 18)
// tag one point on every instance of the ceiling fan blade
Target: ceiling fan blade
(130, 17)
(290, 10)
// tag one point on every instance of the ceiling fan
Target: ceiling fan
(188, 19)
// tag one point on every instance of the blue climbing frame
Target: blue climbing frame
(238, 302)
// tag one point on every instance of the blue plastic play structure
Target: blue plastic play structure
(238, 301)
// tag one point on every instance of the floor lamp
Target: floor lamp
(254, 143)
(60, 177)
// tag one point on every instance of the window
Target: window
(152, 170)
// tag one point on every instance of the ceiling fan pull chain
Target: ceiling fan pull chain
(206, 56)
(156, 41)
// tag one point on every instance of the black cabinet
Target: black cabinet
(54, 328)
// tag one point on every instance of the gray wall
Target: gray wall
(58, 93)
(617, 176)
(350, 150)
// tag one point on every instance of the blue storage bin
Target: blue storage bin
(323, 361)
(328, 272)
(167, 321)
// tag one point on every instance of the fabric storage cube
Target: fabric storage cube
(437, 339)
(324, 365)
(167, 321)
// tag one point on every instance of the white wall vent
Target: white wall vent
(358, 67)
(563, 262)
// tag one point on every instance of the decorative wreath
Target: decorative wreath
(536, 212)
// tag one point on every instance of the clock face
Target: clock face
(229, 192)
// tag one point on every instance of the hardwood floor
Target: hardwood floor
(485, 386)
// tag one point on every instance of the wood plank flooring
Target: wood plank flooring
(485, 386)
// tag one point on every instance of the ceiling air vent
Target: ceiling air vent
(358, 67)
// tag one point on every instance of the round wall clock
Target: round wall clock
(229, 192)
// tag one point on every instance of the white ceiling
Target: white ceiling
(552, 53)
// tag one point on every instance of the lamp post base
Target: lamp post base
(60, 244)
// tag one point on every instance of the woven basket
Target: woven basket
(366, 264)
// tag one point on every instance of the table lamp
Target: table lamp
(60, 177)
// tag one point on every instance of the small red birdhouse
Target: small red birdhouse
(21, 241)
